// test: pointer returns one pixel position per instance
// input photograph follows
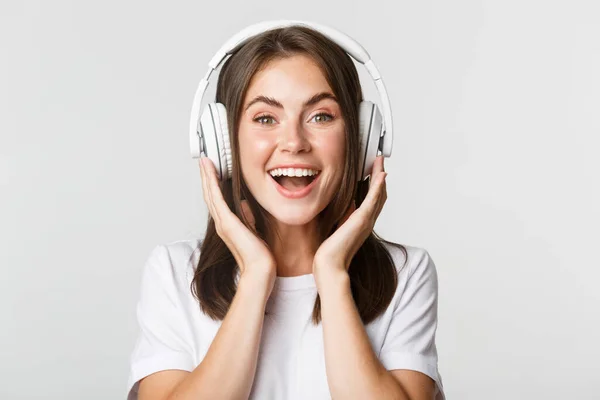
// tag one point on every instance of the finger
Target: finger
(371, 201)
(220, 207)
(379, 163)
(382, 197)
(208, 198)
(204, 183)
(376, 170)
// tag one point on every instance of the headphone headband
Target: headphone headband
(350, 46)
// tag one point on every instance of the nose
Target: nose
(293, 139)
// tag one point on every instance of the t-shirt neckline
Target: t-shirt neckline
(299, 282)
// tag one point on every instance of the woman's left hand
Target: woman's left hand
(336, 252)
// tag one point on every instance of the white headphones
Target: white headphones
(209, 134)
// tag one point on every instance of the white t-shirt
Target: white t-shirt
(175, 334)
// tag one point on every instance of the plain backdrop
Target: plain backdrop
(496, 108)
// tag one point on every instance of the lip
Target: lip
(298, 193)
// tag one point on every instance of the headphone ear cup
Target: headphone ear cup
(225, 145)
(370, 129)
(213, 124)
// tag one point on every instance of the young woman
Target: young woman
(290, 294)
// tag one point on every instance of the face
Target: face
(290, 117)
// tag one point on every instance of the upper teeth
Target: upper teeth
(293, 172)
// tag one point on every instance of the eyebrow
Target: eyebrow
(272, 102)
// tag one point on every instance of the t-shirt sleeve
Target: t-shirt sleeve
(410, 339)
(163, 341)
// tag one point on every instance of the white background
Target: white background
(495, 172)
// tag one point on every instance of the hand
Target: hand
(251, 253)
(336, 252)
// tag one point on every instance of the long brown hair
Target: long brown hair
(373, 275)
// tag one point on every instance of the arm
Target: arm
(353, 369)
(227, 371)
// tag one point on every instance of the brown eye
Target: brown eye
(322, 117)
(262, 119)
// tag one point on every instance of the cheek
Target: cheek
(332, 150)
(255, 150)
(334, 146)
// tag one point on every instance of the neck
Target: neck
(294, 248)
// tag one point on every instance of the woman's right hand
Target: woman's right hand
(250, 252)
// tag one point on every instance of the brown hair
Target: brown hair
(373, 275)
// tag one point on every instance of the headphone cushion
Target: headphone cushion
(370, 126)
(224, 141)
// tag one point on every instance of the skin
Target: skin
(293, 133)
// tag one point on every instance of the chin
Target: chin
(293, 215)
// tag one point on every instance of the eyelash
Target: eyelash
(331, 117)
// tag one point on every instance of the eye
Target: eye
(261, 119)
(323, 117)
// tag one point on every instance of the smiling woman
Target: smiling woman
(290, 293)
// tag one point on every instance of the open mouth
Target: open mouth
(294, 183)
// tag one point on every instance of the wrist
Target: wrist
(331, 280)
(255, 284)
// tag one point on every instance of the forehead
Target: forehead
(297, 73)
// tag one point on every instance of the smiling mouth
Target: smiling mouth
(295, 187)
(293, 183)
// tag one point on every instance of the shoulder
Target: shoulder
(409, 260)
(182, 251)
(175, 260)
